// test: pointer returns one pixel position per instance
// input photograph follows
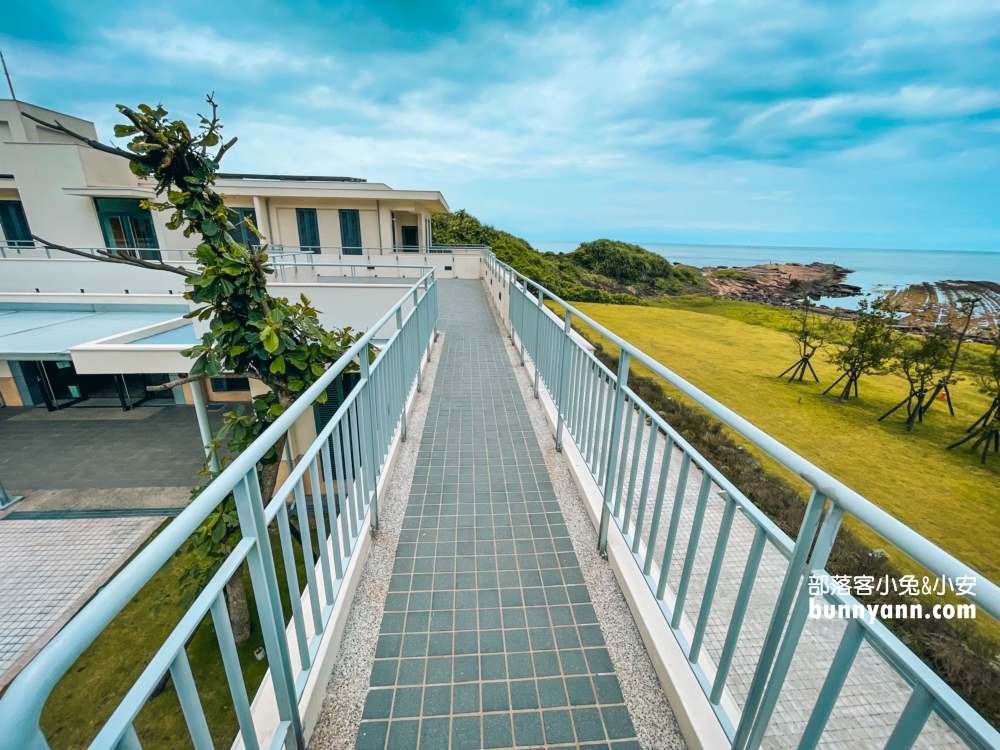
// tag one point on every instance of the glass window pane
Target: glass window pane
(308, 229)
(15, 224)
(350, 231)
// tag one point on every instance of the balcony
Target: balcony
(510, 548)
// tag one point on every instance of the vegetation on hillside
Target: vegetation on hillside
(606, 271)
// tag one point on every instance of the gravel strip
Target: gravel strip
(655, 724)
(340, 717)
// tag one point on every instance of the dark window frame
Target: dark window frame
(230, 385)
(308, 226)
(350, 231)
(16, 231)
(138, 233)
(241, 233)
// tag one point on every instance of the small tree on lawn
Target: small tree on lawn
(966, 308)
(985, 431)
(810, 336)
(920, 360)
(252, 333)
(864, 347)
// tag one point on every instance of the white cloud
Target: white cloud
(192, 47)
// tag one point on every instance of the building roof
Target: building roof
(292, 177)
(49, 334)
(184, 335)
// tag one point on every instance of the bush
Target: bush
(621, 262)
(557, 273)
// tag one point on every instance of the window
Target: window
(15, 224)
(308, 229)
(226, 385)
(241, 233)
(409, 236)
(350, 231)
(126, 224)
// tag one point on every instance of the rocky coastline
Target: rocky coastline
(782, 284)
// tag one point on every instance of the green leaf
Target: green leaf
(278, 365)
(209, 228)
(269, 339)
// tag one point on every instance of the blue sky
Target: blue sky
(862, 124)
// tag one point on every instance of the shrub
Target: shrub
(620, 261)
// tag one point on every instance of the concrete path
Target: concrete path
(489, 637)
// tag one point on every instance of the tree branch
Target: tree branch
(127, 260)
(89, 141)
(223, 149)
(192, 379)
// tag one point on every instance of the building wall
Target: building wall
(8, 388)
(70, 275)
(42, 171)
(327, 217)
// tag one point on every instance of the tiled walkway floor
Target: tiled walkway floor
(489, 639)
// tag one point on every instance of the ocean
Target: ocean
(872, 270)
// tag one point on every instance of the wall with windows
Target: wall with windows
(287, 223)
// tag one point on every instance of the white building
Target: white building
(58, 188)
(73, 329)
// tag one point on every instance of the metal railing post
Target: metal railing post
(399, 328)
(798, 565)
(564, 360)
(6, 500)
(624, 360)
(264, 579)
(368, 436)
(538, 332)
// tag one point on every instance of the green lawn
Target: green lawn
(734, 352)
(88, 694)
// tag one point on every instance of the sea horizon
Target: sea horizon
(871, 269)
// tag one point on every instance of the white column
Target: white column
(198, 394)
(177, 390)
(260, 211)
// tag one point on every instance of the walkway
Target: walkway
(489, 638)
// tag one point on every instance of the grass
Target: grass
(735, 350)
(88, 694)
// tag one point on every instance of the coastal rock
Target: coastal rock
(780, 283)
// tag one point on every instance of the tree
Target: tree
(810, 336)
(985, 431)
(866, 346)
(252, 334)
(966, 307)
(921, 360)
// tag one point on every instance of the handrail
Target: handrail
(631, 451)
(21, 706)
(924, 551)
(13, 249)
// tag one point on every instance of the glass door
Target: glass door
(127, 226)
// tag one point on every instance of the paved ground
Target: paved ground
(85, 448)
(489, 637)
(48, 570)
(97, 482)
